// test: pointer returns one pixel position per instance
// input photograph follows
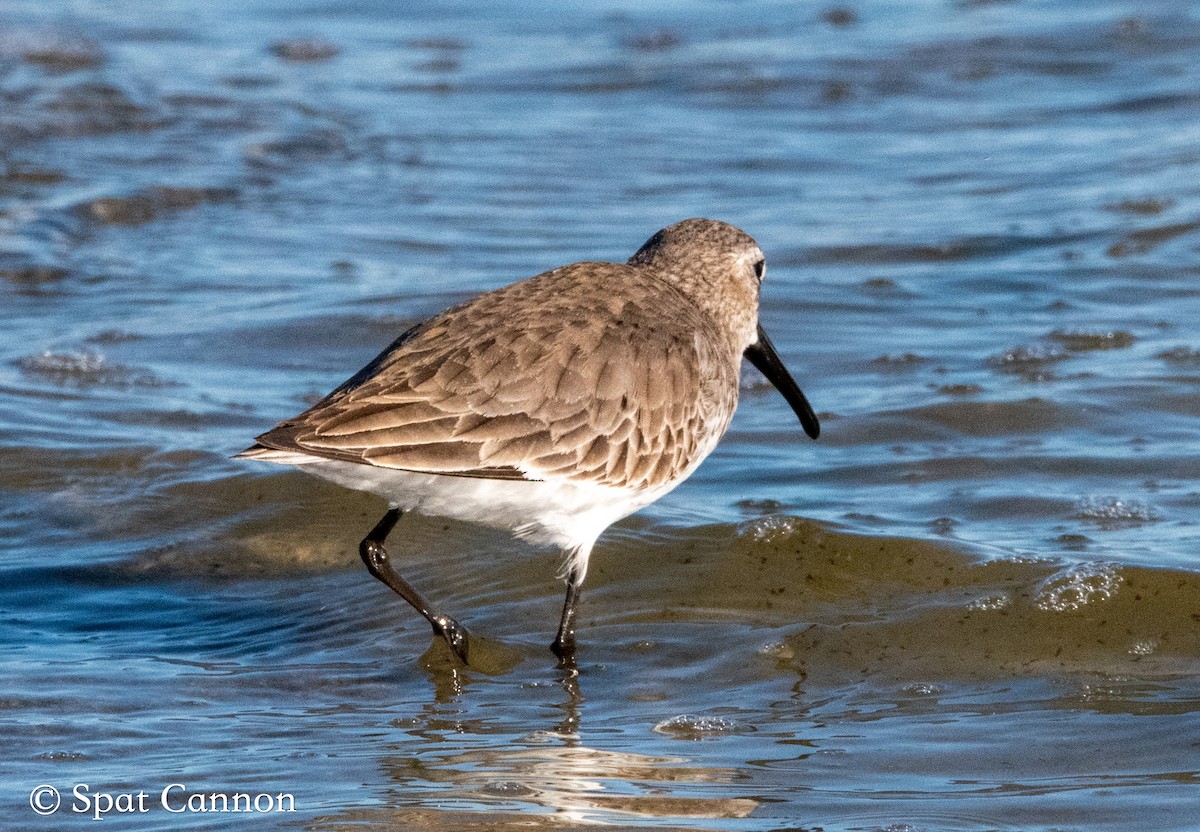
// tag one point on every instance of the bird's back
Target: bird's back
(594, 372)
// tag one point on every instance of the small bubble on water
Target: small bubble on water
(777, 650)
(63, 756)
(989, 603)
(693, 727)
(921, 689)
(1144, 647)
(1112, 511)
(1022, 558)
(507, 788)
(769, 529)
(1078, 585)
(1024, 358)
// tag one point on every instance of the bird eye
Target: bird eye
(760, 268)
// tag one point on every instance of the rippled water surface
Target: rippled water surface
(974, 604)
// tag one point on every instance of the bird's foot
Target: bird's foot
(455, 634)
(564, 648)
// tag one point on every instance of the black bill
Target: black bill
(763, 356)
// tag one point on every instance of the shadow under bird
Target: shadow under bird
(552, 407)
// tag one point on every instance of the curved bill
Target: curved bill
(763, 356)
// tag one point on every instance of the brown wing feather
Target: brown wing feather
(547, 377)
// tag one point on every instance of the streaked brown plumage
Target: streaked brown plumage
(607, 382)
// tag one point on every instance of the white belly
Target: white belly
(562, 513)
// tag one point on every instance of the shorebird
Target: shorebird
(552, 407)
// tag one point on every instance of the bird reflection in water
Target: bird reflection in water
(554, 771)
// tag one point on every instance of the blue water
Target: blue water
(970, 605)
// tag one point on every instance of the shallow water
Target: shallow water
(973, 604)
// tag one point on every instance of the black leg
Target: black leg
(378, 564)
(564, 643)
